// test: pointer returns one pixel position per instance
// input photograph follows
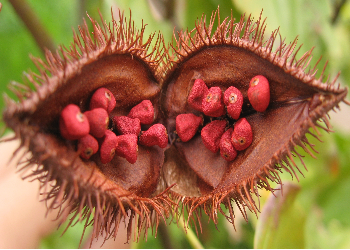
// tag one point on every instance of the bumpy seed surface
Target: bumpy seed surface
(103, 98)
(73, 124)
(108, 145)
(259, 93)
(127, 147)
(98, 121)
(212, 104)
(143, 111)
(233, 100)
(155, 135)
(242, 135)
(227, 151)
(198, 92)
(212, 133)
(88, 146)
(187, 126)
(127, 125)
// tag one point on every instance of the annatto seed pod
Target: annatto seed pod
(182, 176)
(87, 73)
(298, 102)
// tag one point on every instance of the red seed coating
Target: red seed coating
(127, 147)
(88, 146)
(212, 104)
(143, 111)
(103, 98)
(98, 120)
(198, 92)
(187, 126)
(227, 151)
(126, 125)
(212, 133)
(108, 145)
(242, 135)
(155, 135)
(73, 124)
(259, 93)
(233, 100)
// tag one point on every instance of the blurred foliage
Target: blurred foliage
(317, 215)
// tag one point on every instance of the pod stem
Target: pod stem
(190, 235)
(36, 28)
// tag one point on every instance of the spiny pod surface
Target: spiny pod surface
(139, 178)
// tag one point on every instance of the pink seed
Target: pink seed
(127, 147)
(126, 125)
(187, 126)
(259, 93)
(212, 104)
(73, 124)
(98, 120)
(108, 145)
(212, 133)
(143, 111)
(198, 92)
(233, 100)
(227, 151)
(103, 98)
(155, 135)
(88, 146)
(242, 135)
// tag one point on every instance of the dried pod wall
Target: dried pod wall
(250, 102)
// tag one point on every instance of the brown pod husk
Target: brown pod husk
(187, 176)
(116, 57)
(230, 56)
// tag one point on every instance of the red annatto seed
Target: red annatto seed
(242, 135)
(143, 111)
(88, 146)
(212, 133)
(259, 93)
(127, 147)
(212, 104)
(73, 124)
(198, 92)
(233, 100)
(227, 151)
(127, 125)
(108, 145)
(98, 120)
(187, 126)
(103, 98)
(155, 135)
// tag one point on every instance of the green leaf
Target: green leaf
(281, 222)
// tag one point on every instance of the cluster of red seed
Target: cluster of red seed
(91, 128)
(213, 103)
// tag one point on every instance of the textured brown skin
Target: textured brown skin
(146, 190)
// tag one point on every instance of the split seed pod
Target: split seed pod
(108, 192)
(298, 102)
(145, 191)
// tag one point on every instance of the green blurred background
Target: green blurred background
(315, 210)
